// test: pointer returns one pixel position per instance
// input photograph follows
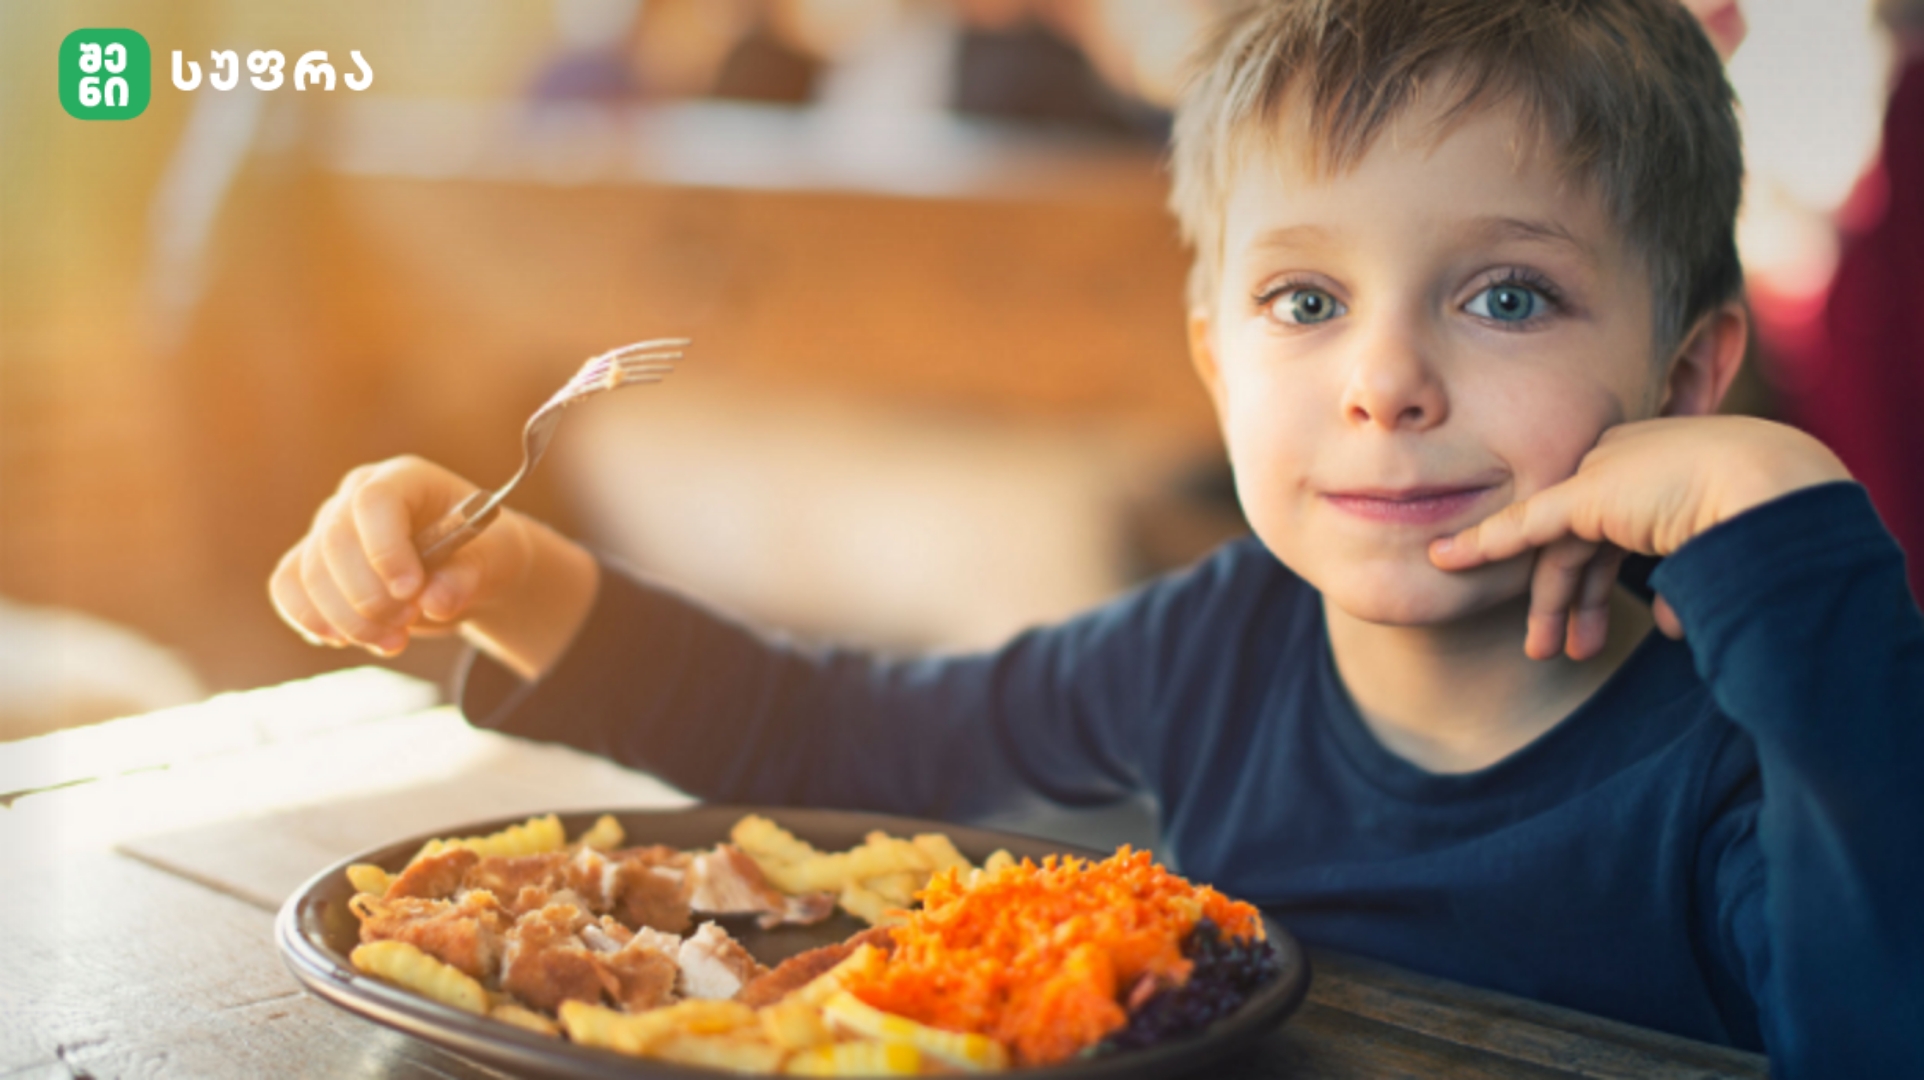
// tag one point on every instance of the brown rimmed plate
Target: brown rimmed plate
(316, 932)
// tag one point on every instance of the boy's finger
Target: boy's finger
(387, 538)
(1590, 619)
(353, 479)
(451, 587)
(346, 559)
(1667, 620)
(340, 615)
(290, 600)
(1511, 531)
(1555, 584)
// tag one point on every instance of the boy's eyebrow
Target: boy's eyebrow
(1291, 236)
(1536, 230)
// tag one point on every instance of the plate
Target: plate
(315, 932)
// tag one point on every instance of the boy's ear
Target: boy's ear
(1202, 354)
(1701, 372)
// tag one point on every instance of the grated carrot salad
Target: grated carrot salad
(1038, 956)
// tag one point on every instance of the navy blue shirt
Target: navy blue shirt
(1726, 841)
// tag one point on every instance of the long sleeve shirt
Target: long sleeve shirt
(1725, 841)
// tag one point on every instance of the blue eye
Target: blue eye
(1506, 302)
(1306, 306)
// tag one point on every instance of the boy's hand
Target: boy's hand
(355, 578)
(1646, 487)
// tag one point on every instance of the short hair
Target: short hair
(1629, 94)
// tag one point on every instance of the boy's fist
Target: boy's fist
(1646, 487)
(355, 578)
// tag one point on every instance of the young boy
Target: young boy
(1465, 297)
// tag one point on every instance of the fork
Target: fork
(642, 362)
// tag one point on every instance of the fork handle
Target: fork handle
(458, 526)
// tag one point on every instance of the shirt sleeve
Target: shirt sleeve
(659, 682)
(1802, 626)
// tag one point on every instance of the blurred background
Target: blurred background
(939, 388)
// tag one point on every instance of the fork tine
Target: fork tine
(626, 376)
(598, 371)
(646, 365)
(644, 346)
(593, 368)
(610, 376)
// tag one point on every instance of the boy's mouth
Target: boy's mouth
(1408, 506)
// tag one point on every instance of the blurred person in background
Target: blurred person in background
(1063, 63)
(1858, 374)
(1723, 21)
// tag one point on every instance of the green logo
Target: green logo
(105, 74)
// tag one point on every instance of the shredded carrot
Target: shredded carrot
(1039, 956)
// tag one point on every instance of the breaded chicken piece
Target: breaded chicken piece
(545, 962)
(592, 876)
(801, 969)
(715, 966)
(435, 877)
(726, 881)
(644, 966)
(652, 896)
(468, 935)
(507, 875)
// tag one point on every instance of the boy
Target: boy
(1465, 297)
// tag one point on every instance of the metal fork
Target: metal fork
(642, 362)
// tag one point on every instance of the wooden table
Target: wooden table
(144, 860)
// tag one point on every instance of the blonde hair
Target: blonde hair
(1629, 94)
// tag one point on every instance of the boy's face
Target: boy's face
(1402, 349)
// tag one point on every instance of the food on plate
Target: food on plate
(404, 965)
(1044, 958)
(1007, 964)
(1225, 971)
(869, 880)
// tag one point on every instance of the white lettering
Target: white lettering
(313, 67)
(116, 57)
(90, 56)
(228, 60)
(269, 64)
(191, 79)
(367, 73)
(120, 84)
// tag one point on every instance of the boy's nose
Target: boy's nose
(1393, 386)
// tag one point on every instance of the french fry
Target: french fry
(641, 1033)
(770, 844)
(941, 852)
(369, 878)
(710, 1017)
(972, 1052)
(522, 1017)
(410, 968)
(911, 857)
(867, 905)
(532, 837)
(606, 834)
(793, 1025)
(997, 860)
(856, 1059)
(593, 1025)
(731, 1052)
(829, 873)
(897, 889)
